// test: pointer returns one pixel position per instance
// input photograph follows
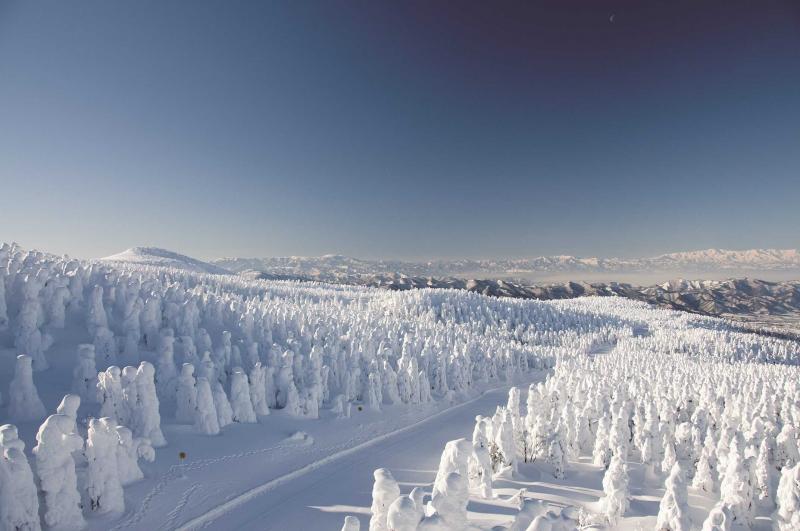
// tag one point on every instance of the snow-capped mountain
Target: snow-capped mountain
(334, 267)
(153, 256)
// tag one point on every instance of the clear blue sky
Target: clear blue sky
(399, 130)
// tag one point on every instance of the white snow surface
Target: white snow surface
(154, 256)
(324, 347)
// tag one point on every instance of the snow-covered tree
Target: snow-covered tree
(787, 517)
(384, 491)
(403, 514)
(147, 419)
(719, 519)
(673, 511)
(103, 485)
(206, 420)
(19, 502)
(129, 451)
(84, 374)
(241, 404)
(222, 405)
(614, 502)
(480, 464)
(24, 404)
(186, 395)
(258, 389)
(351, 523)
(69, 407)
(56, 470)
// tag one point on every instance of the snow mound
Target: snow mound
(153, 256)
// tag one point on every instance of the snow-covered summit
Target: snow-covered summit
(155, 256)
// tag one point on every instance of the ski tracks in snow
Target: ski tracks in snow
(177, 472)
(208, 517)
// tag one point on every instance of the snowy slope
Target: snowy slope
(153, 256)
(343, 377)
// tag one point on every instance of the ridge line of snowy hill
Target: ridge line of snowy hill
(154, 256)
(703, 260)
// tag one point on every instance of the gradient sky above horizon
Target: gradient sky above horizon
(408, 130)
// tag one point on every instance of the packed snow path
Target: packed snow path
(321, 498)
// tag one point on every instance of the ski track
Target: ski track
(344, 449)
(178, 471)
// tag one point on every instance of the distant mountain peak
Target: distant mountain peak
(156, 256)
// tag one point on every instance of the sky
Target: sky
(410, 130)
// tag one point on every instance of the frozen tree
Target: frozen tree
(105, 346)
(187, 395)
(670, 457)
(109, 393)
(258, 388)
(480, 469)
(351, 523)
(285, 379)
(24, 404)
(147, 419)
(270, 389)
(9, 437)
(19, 502)
(787, 517)
(56, 307)
(555, 453)
(56, 470)
(719, 519)
(424, 388)
(763, 474)
(384, 491)
(786, 453)
(673, 511)
(96, 317)
(292, 406)
(390, 392)
(372, 392)
(166, 371)
(601, 454)
(449, 500)
(403, 514)
(705, 477)
(614, 502)
(736, 489)
(505, 441)
(103, 486)
(27, 337)
(130, 396)
(69, 407)
(84, 374)
(241, 404)
(205, 414)
(223, 406)
(455, 458)
(129, 451)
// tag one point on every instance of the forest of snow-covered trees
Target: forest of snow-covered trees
(125, 351)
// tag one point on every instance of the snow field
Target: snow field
(128, 357)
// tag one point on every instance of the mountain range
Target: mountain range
(334, 267)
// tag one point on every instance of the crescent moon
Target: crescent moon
(611, 18)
